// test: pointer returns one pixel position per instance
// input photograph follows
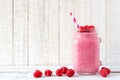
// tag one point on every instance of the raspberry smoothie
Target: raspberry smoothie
(85, 49)
(86, 52)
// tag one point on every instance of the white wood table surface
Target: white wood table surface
(26, 73)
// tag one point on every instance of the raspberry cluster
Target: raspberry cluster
(86, 28)
(59, 72)
(65, 70)
(38, 73)
(104, 71)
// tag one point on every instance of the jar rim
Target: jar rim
(86, 33)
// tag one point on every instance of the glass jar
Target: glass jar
(86, 48)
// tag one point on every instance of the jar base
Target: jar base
(87, 73)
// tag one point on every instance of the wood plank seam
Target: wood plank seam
(12, 32)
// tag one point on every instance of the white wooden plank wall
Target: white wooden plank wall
(113, 33)
(20, 37)
(52, 20)
(40, 32)
(6, 32)
(66, 31)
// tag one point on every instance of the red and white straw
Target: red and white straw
(74, 20)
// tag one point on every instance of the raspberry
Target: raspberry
(103, 72)
(48, 73)
(37, 74)
(70, 72)
(86, 28)
(64, 69)
(108, 70)
(59, 72)
(92, 28)
(80, 29)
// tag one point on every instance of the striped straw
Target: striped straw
(74, 20)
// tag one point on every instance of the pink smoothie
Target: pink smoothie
(86, 52)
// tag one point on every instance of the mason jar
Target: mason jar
(86, 52)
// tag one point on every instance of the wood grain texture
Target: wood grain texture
(85, 12)
(52, 12)
(66, 31)
(20, 54)
(113, 38)
(5, 32)
(78, 11)
(38, 33)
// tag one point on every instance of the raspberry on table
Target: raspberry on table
(103, 72)
(59, 72)
(64, 69)
(108, 70)
(70, 72)
(48, 73)
(37, 74)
